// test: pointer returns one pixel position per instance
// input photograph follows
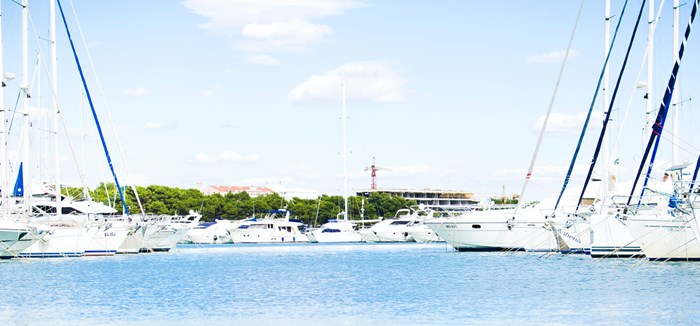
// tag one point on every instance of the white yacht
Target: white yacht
(271, 229)
(341, 229)
(664, 223)
(112, 230)
(401, 228)
(163, 232)
(337, 230)
(15, 237)
(216, 232)
(63, 236)
(496, 230)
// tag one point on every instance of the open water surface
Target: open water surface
(346, 284)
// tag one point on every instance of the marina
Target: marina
(615, 241)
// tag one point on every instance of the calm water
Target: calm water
(361, 284)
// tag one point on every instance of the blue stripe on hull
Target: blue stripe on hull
(50, 254)
(100, 252)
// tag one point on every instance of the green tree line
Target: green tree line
(232, 206)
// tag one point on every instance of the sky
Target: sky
(445, 95)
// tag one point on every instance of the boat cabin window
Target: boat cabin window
(330, 231)
(286, 228)
(399, 222)
(476, 226)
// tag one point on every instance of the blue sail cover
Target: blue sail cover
(19, 184)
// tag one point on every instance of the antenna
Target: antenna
(374, 168)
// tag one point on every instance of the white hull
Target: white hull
(217, 233)
(340, 237)
(573, 236)
(494, 230)
(610, 238)
(463, 236)
(107, 240)
(394, 235)
(262, 236)
(664, 237)
(270, 230)
(14, 238)
(163, 238)
(340, 231)
(424, 234)
(61, 241)
(368, 236)
(133, 242)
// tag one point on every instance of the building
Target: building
(446, 199)
(251, 190)
(286, 193)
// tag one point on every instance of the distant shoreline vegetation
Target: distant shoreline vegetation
(233, 206)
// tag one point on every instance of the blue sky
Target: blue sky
(446, 95)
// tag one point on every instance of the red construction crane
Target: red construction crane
(374, 168)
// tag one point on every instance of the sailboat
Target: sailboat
(341, 229)
(15, 234)
(663, 221)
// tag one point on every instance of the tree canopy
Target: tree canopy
(157, 199)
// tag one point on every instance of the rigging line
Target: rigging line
(623, 122)
(92, 107)
(675, 139)
(610, 106)
(695, 175)
(42, 58)
(590, 108)
(549, 109)
(109, 116)
(663, 110)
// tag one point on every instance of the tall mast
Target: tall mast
(3, 133)
(606, 100)
(674, 101)
(650, 72)
(54, 101)
(25, 104)
(345, 160)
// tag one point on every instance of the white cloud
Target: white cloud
(570, 124)
(159, 125)
(271, 25)
(204, 158)
(224, 156)
(225, 15)
(293, 36)
(367, 80)
(263, 59)
(211, 92)
(237, 157)
(550, 57)
(139, 91)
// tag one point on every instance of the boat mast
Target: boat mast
(54, 102)
(650, 72)
(606, 101)
(674, 101)
(25, 104)
(345, 161)
(3, 133)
